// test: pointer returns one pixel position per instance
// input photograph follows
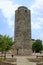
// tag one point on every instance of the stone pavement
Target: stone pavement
(24, 61)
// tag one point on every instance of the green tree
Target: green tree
(42, 47)
(37, 46)
(6, 43)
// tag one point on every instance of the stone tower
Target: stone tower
(23, 29)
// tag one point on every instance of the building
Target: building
(23, 30)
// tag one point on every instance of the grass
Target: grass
(11, 59)
(8, 59)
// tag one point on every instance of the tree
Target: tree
(42, 47)
(1, 45)
(37, 46)
(17, 47)
(6, 43)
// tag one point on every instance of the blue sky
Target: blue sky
(7, 16)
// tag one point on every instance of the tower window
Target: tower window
(25, 10)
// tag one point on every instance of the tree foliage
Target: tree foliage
(42, 47)
(6, 43)
(37, 46)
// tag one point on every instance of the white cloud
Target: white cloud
(40, 19)
(8, 10)
(41, 36)
(37, 7)
(36, 25)
(37, 11)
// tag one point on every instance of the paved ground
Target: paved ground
(24, 61)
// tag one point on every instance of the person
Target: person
(12, 55)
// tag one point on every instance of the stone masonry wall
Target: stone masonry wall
(23, 28)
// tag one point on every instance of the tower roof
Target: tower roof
(22, 7)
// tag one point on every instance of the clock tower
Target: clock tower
(23, 30)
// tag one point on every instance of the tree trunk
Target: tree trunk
(1, 54)
(5, 55)
(17, 51)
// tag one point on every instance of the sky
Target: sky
(7, 16)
